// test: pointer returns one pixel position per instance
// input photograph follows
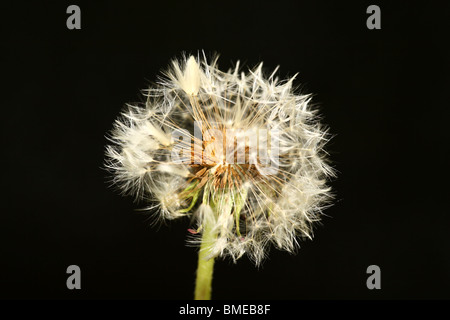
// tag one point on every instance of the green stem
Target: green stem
(205, 266)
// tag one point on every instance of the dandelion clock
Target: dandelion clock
(238, 152)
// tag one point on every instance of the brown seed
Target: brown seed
(202, 182)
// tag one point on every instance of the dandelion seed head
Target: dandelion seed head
(255, 170)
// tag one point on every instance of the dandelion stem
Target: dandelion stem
(205, 266)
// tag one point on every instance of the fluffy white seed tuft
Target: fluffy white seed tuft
(187, 79)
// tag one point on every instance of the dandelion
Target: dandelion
(239, 153)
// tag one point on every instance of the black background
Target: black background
(381, 92)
